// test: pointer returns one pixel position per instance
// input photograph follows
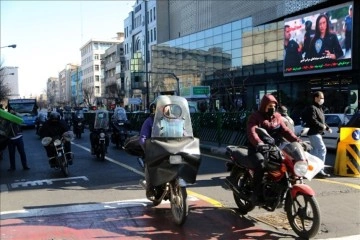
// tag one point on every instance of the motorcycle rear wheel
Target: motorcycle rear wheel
(179, 206)
(243, 183)
(303, 213)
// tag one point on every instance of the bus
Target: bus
(26, 109)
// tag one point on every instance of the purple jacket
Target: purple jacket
(146, 129)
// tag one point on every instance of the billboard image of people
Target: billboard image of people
(319, 41)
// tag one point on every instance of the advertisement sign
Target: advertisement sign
(319, 41)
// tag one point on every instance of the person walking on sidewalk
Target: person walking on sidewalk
(16, 141)
(315, 120)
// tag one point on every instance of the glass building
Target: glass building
(241, 62)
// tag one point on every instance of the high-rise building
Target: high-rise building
(91, 53)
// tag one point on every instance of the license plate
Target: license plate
(175, 159)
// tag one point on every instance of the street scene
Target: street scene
(104, 199)
(180, 119)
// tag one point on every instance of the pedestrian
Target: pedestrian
(314, 119)
(16, 141)
(286, 118)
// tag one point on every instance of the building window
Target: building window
(154, 13)
(97, 67)
(97, 78)
(96, 56)
(154, 34)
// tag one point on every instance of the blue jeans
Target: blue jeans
(319, 148)
(19, 144)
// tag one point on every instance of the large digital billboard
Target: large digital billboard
(319, 41)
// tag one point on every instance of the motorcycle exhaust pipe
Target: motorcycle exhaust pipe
(236, 190)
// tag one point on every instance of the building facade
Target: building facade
(52, 91)
(237, 48)
(91, 53)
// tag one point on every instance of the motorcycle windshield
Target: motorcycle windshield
(101, 119)
(79, 114)
(172, 134)
(120, 114)
(295, 150)
(172, 118)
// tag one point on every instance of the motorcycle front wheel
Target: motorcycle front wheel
(64, 166)
(244, 184)
(303, 213)
(178, 203)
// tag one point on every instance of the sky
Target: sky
(49, 35)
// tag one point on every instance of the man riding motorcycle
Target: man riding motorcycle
(266, 117)
(55, 128)
(145, 133)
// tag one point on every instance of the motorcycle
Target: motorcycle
(78, 123)
(39, 122)
(98, 136)
(172, 155)
(282, 185)
(119, 133)
(57, 145)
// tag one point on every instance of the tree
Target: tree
(88, 94)
(4, 88)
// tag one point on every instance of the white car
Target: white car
(333, 120)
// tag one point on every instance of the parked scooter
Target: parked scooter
(172, 155)
(78, 123)
(282, 185)
(98, 137)
(61, 160)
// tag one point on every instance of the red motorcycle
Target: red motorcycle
(282, 185)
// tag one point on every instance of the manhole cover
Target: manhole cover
(277, 220)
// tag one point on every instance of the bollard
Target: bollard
(347, 162)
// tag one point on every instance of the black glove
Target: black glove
(268, 140)
(261, 147)
(307, 146)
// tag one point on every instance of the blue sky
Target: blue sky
(49, 34)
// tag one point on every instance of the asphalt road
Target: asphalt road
(94, 187)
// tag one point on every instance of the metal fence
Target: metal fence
(219, 128)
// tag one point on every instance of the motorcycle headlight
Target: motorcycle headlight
(102, 135)
(300, 168)
(57, 142)
(46, 141)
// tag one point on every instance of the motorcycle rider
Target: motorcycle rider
(145, 133)
(120, 115)
(54, 127)
(100, 125)
(286, 118)
(266, 117)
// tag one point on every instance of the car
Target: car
(333, 120)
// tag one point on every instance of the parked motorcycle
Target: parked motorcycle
(98, 137)
(57, 144)
(172, 155)
(78, 123)
(282, 185)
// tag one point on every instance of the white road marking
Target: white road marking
(80, 208)
(113, 161)
(45, 181)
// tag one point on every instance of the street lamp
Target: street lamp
(10, 46)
